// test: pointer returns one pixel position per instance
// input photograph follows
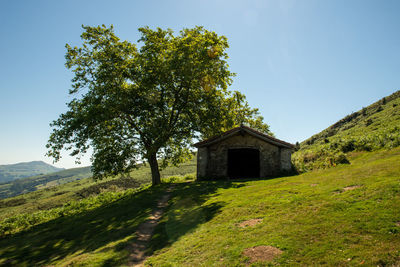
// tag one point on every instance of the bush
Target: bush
(177, 179)
(119, 184)
(12, 202)
(347, 145)
(333, 153)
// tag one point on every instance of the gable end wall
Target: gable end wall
(212, 161)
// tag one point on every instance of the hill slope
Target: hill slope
(374, 127)
(346, 215)
(51, 194)
(25, 169)
(30, 184)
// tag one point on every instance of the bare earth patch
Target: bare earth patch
(347, 188)
(398, 224)
(251, 222)
(262, 253)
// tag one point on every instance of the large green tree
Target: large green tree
(147, 103)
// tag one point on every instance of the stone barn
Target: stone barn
(243, 153)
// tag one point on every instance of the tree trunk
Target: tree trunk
(155, 172)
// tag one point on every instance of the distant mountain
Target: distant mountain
(30, 184)
(13, 172)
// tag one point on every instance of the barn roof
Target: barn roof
(243, 129)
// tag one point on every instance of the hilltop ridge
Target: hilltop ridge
(33, 183)
(20, 170)
(373, 127)
(356, 117)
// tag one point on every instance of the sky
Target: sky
(305, 64)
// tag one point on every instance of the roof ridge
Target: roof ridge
(226, 134)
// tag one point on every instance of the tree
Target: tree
(149, 103)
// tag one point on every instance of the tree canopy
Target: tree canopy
(149, 101)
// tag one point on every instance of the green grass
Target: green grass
(31, 184)
(56, 196)
(310, 217)
(369, 129)
(93, 232)
(83, 222)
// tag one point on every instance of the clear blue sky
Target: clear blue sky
(304, 64)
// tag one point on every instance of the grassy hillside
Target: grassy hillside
(25, 169)
(50, 197)
(34, 183)
(341, 216)
(348, 215)
(30, 184)
(374, 127)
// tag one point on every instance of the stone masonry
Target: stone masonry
(212, 156)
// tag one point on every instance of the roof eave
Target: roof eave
(248, 130)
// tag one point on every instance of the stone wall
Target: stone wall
(286, 161)
(212, 161)
(202, 160)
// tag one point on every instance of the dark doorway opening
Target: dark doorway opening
(243, 163)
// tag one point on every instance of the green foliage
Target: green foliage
(12, 202)
(119, 184)
(180, 179)
(235, 111)
(372, 128)
(149, 103)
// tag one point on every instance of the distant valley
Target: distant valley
(30, 184)
(11, 172)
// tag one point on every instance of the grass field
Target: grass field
(56, 196)
(343, 216)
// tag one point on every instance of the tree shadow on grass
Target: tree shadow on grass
(187, 211)
(110, 228)
(80, 233)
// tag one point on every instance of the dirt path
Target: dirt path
(145, 231)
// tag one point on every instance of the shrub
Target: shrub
(330, 154)
(368, 122)
(12, 202)
(119, 184)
